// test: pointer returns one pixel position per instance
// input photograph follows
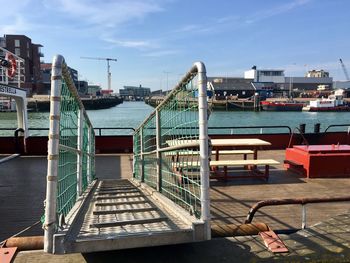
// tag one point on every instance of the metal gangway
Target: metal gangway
(158, 205)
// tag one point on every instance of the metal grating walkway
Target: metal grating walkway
(118, 214)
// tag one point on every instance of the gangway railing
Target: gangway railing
(174, 135)
(71, 151)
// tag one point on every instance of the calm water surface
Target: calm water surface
(131, 114)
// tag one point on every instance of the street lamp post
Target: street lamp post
(167, 79)
(290, 86)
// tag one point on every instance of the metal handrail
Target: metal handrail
(293, 201)
(336, 125)
(301, 134)
(253, 127)
(31, 129)
(231, 127)
(99, 129)
(112, 128)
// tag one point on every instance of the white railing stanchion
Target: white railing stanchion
(159, 155)
(204, 146)
(88, 157)
(67, 171)
(142, 156)
(80, 135)
(53, 153)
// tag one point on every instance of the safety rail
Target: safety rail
(338, 125)
(293, 201)
(252, 127)
(100, 129)
(181, 118)
(71, 150)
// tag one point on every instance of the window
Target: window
(17, 44)
(28, 55)
(27, 44)
(18, 51)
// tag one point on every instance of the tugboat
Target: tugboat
(332, 103)
(289, 105)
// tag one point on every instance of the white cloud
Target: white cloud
(105, 14)
(277, 10)
(188, 28)
(18, 26)
(232, 22)
(139, 44)
(161, 53)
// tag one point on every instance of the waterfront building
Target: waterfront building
(82, 87)
(230, 88)
(317, 74)
(46, 79)
(23, 47)
(310, 85)
(94, 90)
(265, 75)
(158, 92)
(134, 93)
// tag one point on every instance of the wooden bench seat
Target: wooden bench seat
(233, 152)
(243, 162)
(223, 152)
(227, 163)
(215, 167)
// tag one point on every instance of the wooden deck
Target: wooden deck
(230, 201)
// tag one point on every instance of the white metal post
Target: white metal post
(53, 153)
(89, 150)
(159, 155)
(80, 152)
(142, 157)
(303, 216)
(203, 145)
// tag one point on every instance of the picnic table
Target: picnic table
(220, 147)
(251, 144)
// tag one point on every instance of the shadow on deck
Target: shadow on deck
(230, 203)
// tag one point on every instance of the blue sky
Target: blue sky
(158, 39)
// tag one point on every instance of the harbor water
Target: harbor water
(131, 114)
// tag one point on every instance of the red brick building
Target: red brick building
(23, 47)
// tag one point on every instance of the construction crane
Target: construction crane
(345, 70)
(108, 68)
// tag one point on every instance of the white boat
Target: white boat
(332, 103)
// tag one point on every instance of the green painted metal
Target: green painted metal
(67, 169)
(178, 124)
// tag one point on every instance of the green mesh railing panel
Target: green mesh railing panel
(179, 168)
(67, 183)
(92, 154)
(149, 146)
(137, 156)
(85, 165)
(67, 168)
(179, 124)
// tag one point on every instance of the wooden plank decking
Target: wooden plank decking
(230, 201)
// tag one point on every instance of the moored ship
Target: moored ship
(282, 105)
(332, 103)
